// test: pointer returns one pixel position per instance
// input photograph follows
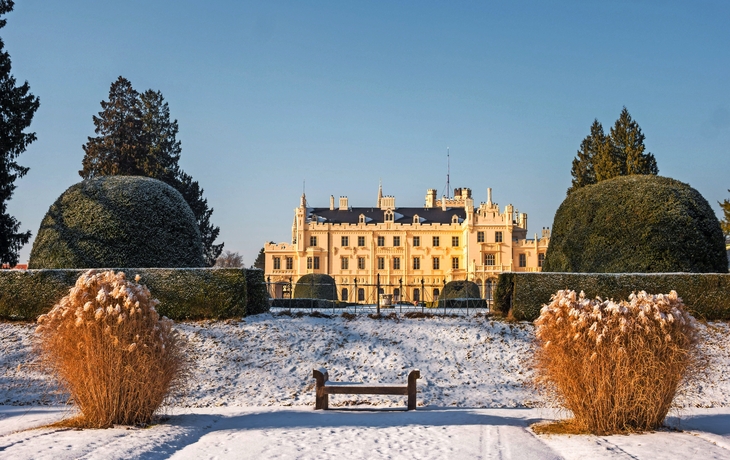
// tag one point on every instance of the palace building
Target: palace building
(408, 252)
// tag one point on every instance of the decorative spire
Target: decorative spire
(380, 191)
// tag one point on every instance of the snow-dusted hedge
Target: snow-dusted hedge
(184, 293)
(256, 292)
(704, 294)
(462, 303)
(316, 286)
(118, 221)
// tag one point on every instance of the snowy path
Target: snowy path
(287, 433)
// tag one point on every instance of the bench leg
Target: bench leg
(321, 400)
(412, 377)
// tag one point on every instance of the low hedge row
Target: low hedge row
(704, 294)
(184, 293)
(319, 304)
(462, 303)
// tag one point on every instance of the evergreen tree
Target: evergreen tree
(260, 261)
(725, 222)
(136, 137)
(621, 153)
(18, 105)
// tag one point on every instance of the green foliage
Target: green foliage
(704, 294)
(725, 222)
(136, 137)
(183, 293)
(502, 297)
(621, 153)
(18, 107)
(258, 295)
(118, 221)
(636, 224)
(315, 286)
(260, 261)
(460, 290)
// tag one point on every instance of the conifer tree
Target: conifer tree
(136, 137)
(17, 105)
(725, 222)
(621, 153)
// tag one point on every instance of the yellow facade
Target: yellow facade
(408, 252)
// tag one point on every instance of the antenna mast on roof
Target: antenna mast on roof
(448, 171)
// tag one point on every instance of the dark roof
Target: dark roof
(376, 215)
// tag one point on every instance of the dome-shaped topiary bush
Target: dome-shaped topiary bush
(118, 221)
(460, 290)
(315, 286)
(636, 224)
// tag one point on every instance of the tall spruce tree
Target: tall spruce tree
(136, 137)
(18, 106)
(621, 153)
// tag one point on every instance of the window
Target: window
(313, 241)
(361, 241)
(435, 241)
(523, 260)
(436, 294)
(361, 263)
(344, 263)
(360, 294)
(289, 263)
(455, 241)
(309, 263)
(316, 262)
(396, 241)
(480, 237)
(396, 294)
(540, 259)
(436, 263)
(361, 219)
(416, 263)
(396, 263)
(489, 260)
(381, 263)
(497, 237)
(416, 241)
(455, 263)
(417, 295)
(344, 295)
(277, 263)
(389, 216)
(345, 241)
(381, 241)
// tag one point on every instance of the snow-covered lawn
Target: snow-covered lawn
(252, 397)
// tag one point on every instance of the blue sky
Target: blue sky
(343, 94)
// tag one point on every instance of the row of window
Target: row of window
(345, 293)
(489, 260)
(345, 240)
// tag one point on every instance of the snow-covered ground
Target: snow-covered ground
(252, 397)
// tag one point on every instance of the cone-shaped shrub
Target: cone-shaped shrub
(615, 366)
(108, 347)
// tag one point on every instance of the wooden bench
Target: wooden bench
(325, 388)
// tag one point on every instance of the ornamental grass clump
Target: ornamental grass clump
(615, 365)
(107, 346)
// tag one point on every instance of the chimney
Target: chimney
(332, 202)
(343, 203)
(443, 203)
(489, 196)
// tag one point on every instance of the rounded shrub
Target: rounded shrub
(118, 222)
(107, 346)
(315, 286)
(636, 224)
(615, 365)
(460, 290)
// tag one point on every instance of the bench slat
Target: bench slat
(366, 390)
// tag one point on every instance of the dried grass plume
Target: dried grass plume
(108, 347)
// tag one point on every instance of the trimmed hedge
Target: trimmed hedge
(118, 221)
(636, 224)
(184, 294)
(315, 286)
(320, 304)
(704, 294)
(258, 296)
(462, 303)
(460, 289)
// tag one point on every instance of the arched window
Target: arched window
(344, 295)
(361, 219)
(389, 216)
(416, 219)
(396, 294)
(361, 295)
(455, 219)
(417, 295)
(436, 294)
